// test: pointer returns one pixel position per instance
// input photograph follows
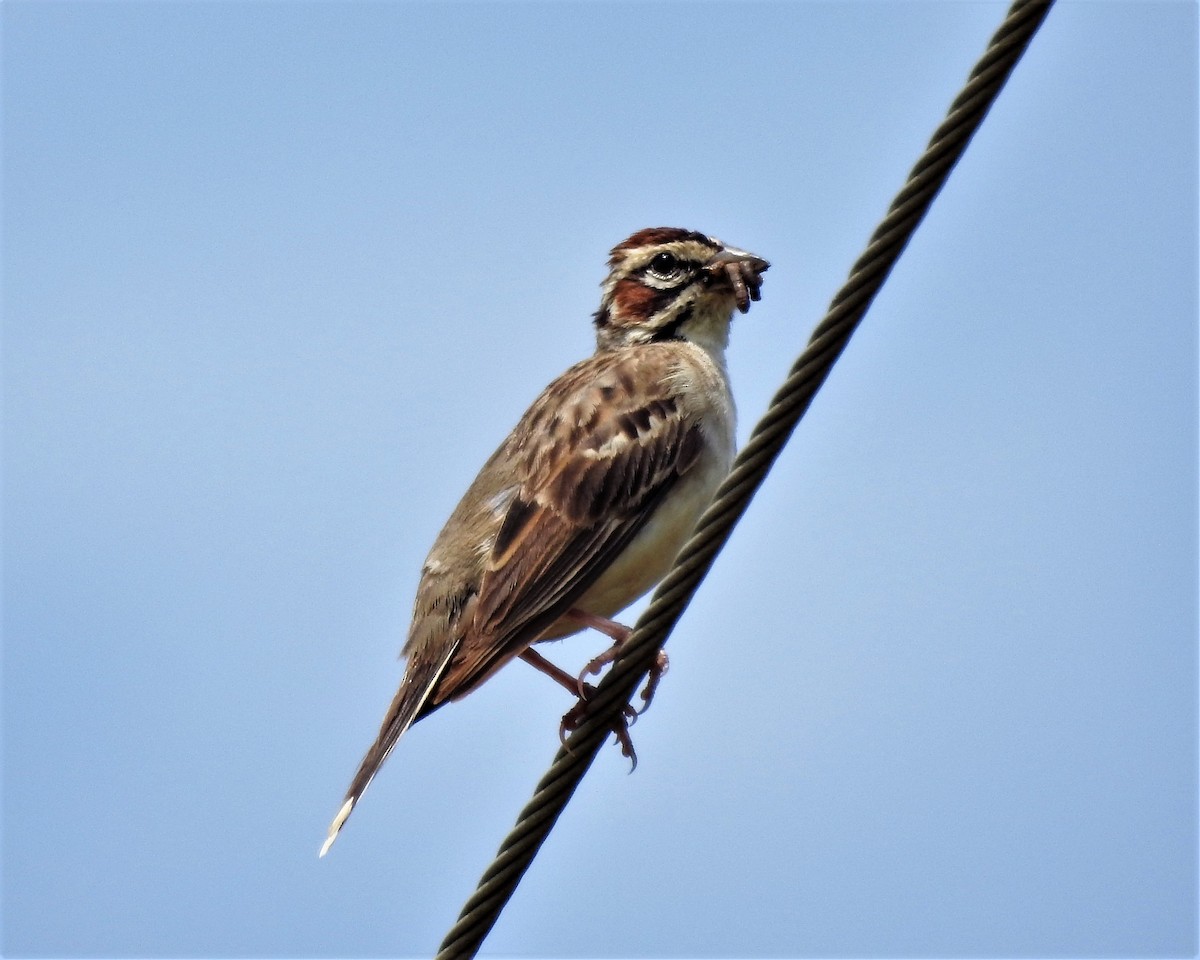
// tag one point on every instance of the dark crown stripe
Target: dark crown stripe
(656, 235)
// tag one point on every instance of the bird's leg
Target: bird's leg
(618, 633)
(573, 717)
(553, 671)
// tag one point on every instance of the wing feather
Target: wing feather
(596, 455)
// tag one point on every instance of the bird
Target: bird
(583, 506)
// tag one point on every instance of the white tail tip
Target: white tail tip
(336, 826)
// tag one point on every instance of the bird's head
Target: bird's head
(665, 283)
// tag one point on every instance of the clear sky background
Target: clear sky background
(279, 277)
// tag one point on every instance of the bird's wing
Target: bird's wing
(594, 456)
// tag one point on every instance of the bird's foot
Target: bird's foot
(572, 719)
(619, 634)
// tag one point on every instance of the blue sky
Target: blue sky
(278, 278)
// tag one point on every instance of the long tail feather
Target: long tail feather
(421, 676)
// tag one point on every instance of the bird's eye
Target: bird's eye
(664, 264)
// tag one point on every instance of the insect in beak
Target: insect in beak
(742, 272)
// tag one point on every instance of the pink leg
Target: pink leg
(554, 672)
(573, 717)
(616, 632)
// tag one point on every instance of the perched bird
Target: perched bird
(586, 502)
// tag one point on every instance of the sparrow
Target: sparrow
(585, 504)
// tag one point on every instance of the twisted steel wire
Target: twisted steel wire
(788, 405)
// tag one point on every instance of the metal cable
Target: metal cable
(787, 406)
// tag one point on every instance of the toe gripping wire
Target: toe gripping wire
(789, 404)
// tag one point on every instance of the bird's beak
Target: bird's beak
(741, 271)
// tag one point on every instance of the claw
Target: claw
(574, 717)
(595, 665)
(657, 671)
(627, 750)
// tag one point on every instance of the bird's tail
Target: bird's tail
(421, 676)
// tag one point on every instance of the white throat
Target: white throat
(708, 328)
